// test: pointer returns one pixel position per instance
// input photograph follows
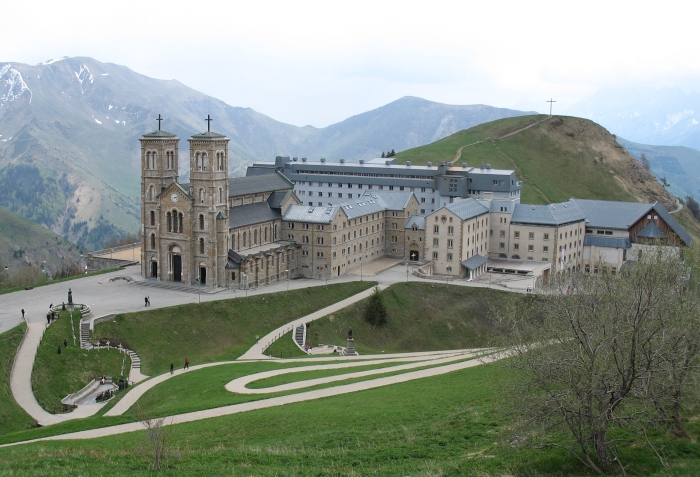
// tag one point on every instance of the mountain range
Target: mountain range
(69, 130)
(663, 116)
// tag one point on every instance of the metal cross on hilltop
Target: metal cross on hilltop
(208, 120)
(550, 105)
(159, 119)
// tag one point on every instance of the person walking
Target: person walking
(172, 368)
(22, 313)
(145, 301)
(187, 364)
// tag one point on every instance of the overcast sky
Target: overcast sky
(321, 62)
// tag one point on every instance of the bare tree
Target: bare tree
(157, 433)
(604, 350)
(645, 162)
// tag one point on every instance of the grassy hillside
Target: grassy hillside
(217, 330)
(23, 242)
(556, 158)
(421, 317)
(12, 417)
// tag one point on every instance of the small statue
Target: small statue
(350, 334)
(70, 297)
(59, 349)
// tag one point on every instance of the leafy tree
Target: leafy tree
(693, 206)
(392, 153)
(597, 351)
(383, 156)
(375, 311)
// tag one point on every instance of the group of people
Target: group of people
(172, 366)
(147, 301)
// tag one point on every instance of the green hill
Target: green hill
(556, 158)
(23, 243)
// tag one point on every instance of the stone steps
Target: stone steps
(176, 286)
(299, 335)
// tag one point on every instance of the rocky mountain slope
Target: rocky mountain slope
(23, 243)
(69, 130)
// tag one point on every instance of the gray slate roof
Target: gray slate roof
(208, 135)
(607, 214)
(392, 200)
(466, 209)
(258, 184)
(276, 198)
(311, 214)
(610, 242)
(474, 262)
(651, 231)
(552, 214)
(249, 214)
(159, 134)
(418, 220)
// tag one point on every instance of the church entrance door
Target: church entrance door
(177, 268)
(154, 269)
(203, 275)
(413, 255)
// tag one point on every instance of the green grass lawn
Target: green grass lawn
(285, 347)
(421, 317)
(452, 425)
(12, 417)
(215, 331)
(57, 375)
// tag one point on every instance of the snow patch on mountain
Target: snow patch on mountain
(84, 75)
(50, 62)
(12, 85)
(674, 118)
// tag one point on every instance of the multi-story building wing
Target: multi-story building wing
(318, 183)
(548, 233)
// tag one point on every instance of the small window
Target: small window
(531, 235)
(435, 255)
(503, 234)
(546, 236)
(516, 234)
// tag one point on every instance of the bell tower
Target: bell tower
(159, 150)
(209, 187)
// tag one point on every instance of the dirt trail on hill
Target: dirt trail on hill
(459, 151)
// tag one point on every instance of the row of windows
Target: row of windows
(152, 160)
(201, 161)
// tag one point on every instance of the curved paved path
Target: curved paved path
(21, 381)
(272, 402)
(257, 350)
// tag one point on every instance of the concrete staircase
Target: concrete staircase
(176, 286)
(300, 335)
(85, 344)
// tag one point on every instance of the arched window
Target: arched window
(265, 234)
(148, 160)
(275, 236)
(233, 275)
(205, 161)
(153, 241)
(201, 221)
(233, 242)
(153, 192)
(198, 162)
(245, 240)
(221, 195)
(179, 226)
(201, 196)
(255, 237)
(154, 156)
(170, 222)
(201, 245)
(153, 218)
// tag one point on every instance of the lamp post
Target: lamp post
(199, 290)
